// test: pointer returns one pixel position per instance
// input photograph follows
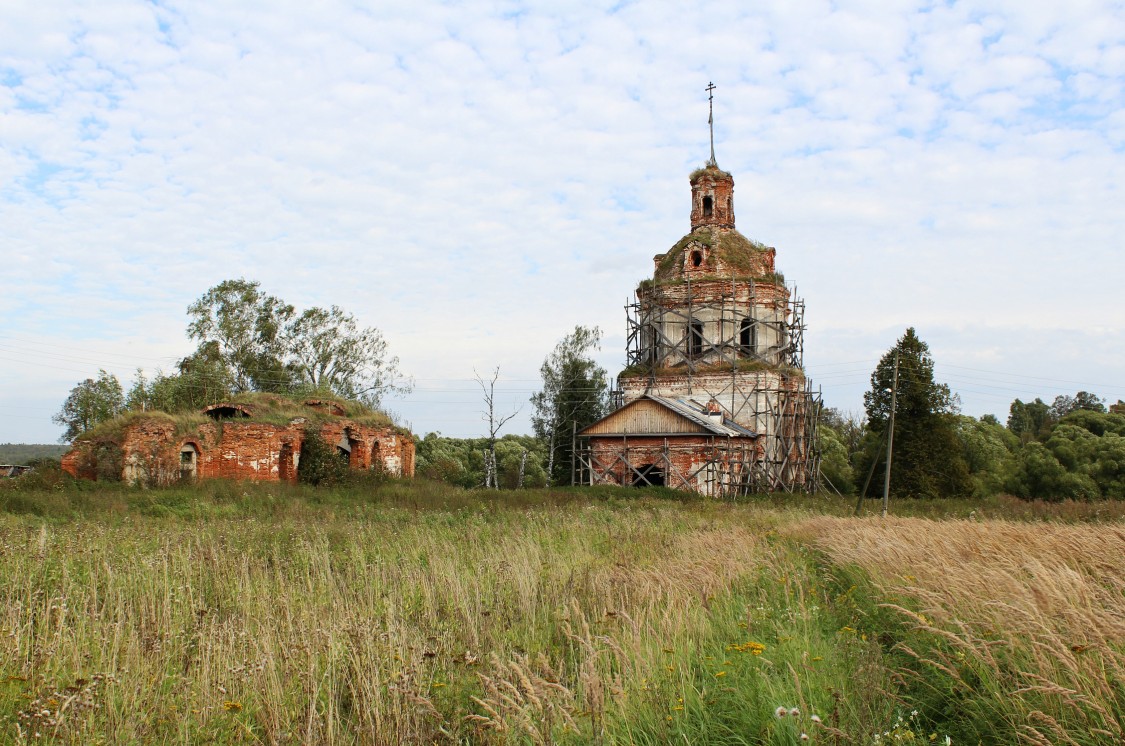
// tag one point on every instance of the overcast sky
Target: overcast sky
(476, 178)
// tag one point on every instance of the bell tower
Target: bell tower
(712, 198)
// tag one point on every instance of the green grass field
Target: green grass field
(418, 613)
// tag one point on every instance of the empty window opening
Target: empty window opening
(730, 206)
(189, 460)
(707, 207)
(225, 412)
(344, 449)
(696, 258)
(652, 344)
(748, 336)
(649, 475)
(695, 339)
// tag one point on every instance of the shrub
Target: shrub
(320, 462)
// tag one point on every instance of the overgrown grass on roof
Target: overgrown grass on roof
(709, 170)
(267, 408)
(733, 248)
(114, 430)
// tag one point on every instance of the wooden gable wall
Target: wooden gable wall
(644, 416)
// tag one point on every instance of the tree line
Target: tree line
(1073, 448)
(248, 340)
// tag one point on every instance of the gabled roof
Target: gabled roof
(659, 415)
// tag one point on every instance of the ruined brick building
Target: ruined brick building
(258, 439)
(714, 396)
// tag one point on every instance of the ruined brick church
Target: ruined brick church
(714, 398)
(260, 438)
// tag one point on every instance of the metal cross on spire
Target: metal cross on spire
(711, 120)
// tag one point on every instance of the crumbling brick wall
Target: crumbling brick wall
(617, 460)
(240, 449)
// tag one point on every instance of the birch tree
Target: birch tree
(329, 351)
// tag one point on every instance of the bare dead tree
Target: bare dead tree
(488, 388)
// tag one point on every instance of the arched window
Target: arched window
(189, 462)
(695, 339)
(344, 449)
(730, 207)
(696, 258)
(748, 336)
(707, 207)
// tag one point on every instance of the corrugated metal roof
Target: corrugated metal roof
(687, 409)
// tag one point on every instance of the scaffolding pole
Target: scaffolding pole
(766, 386)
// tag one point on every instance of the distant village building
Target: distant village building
(260, 441)
(715, 398)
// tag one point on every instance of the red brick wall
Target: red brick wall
(242, 449)
(687, 455)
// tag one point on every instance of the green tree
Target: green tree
(328, 351)
(246, 327)
(203, 379)
(575, 394)
(321, 463)
(835, 466)
(462, 461)
(988, 449)
(90, 402)
(1030, 421)
(1082, 457)
(928, 460)
(1083, 401)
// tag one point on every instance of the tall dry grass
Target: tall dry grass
(395, 627)
(1019, 628)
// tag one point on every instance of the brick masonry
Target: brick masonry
(694, 462)
(152, 452)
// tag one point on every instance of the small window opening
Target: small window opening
(696, 258)
(707, 207)
(344, 449)
(730, 207)
(188, 462)
(695, 339)
(748, 336)
(651, 344)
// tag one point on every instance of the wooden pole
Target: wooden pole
(890, 440)
(573, 449)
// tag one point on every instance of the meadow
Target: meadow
(413, 612)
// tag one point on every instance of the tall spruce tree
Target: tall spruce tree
(928, 460)
(575, 394)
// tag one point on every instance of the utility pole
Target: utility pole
(890, 439)
(573, 451)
